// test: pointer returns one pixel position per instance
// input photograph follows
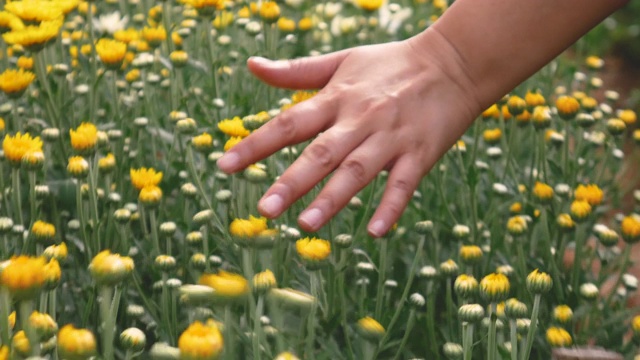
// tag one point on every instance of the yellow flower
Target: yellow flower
(534, 99)
(470, 254)
(286, 25)
(491, 113)
(628, 116)
(630, 228)
(539, 282)
(232, 142)
(132, 75)
(78, 167)
(580, 210)
(286, 356)
(246, 228)
(223, 20)
(635, 324)
(516, 105)
(143, 177)
(14, 82)
(616, 126)
(206, 8)
(305, 24)
(558, 337)
(313, 250)
(565, 222)
(233, 127)
(44, 325)
(562, 314)
(202, 142)
(110, 269)
(594, 62)
(154, 35)
(15, 147)
(24, 276)
(4, 352)
(179, 58)
(34, 38)
(150, 195)
(76, 344)
(370, 329)
(542, 191)
(369, 5)
(12, 320)
(227, 286)
(9, 21)
(107, 163)
(201, 342)
(43, 231)
(58, 252)
(111, 52)
(264, 281)
(591, 193)
(495, 287)
(515, 208)
(300, 96)
(34, 11)
(567, 106)
(506, 115)
(84, 138)
(127, 36)
(465, 286)
(517, 225)
(541, 117)
(492, 136)
(52, 274)
(269, 11)
(20, 343)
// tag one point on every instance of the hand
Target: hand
(396, 106)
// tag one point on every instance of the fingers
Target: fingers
(297, 124)
(402, 182)
(305, 73)
(353, 174)
(316, 162)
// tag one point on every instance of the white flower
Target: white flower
(110, 23)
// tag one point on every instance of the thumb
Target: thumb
(312, 72)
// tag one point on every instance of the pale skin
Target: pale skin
(400, 106)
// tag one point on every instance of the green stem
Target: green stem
(153, 223)
(491, 346)
(381, 276)
(228, 334)
(431, 318)
(5, 303)
(514, 339)
(407, 332)
(110, 324)
(468, 342)
(257, 329)
(532, 328)
(25, 308)
(16, 194)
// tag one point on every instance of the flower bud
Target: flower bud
(343, 241)
(291, 299)
(495, 287)
(558, 337)
(466, 286)
(567, 107)
(165, 263)
(461, 231)
(539, 282)
(133, 339)
(562, 314)
(589, 291)
(43, 324)
(452, 351)
(264, 281)
(471, 313)
(424, 227)
(78, 167)
(449, 268)
(224, 195)
(616, 126)
(427, 273)
(76, 343)
(417, 301)
(515, 309)
(470, 254)
(162, 351)
(370, 329)
(110, 269)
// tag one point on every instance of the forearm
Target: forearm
(499, 43)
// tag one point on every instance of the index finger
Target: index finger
(295, 125)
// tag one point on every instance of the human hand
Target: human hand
(397, 106)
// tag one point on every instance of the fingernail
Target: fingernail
(378, 228)
(228, 161)
(271, 205)
(311, 218)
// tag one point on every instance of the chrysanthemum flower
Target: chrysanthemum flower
(591, 193)
(594, 62)
(34, 38)
(232, 142)
(154, 35)
(495, 287)
(492, 136)
(202, 142)
(78, 167)
(76, 343)
(567, 106)
(580, 210)
(150, 195)
(24, 276)
(542, 191)
(43, 231)
(201, 342)
(14, 82)
(248, 227)
(143, 177)
(630, 228)
(562, 314)
(533, 99)
(127, 36)
(111, 52)
(369, 5)
(58, 252)
(52, 274)
(470, 254)
(9, 21)
(15, 147)
(492, 112)
(269, 11)
(35, 11)
(370, 329)
(539, 282)
(286, 25)
(110, 269)
(233, 127)
(84, 138)
(465, 286)
(558, 337)
(628, 116)
(313, 249)
(227, 286)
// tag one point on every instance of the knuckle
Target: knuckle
(319, 153)
(285, 123)
(403, 187)
(356, 168)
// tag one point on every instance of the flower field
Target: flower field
(121, 239)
